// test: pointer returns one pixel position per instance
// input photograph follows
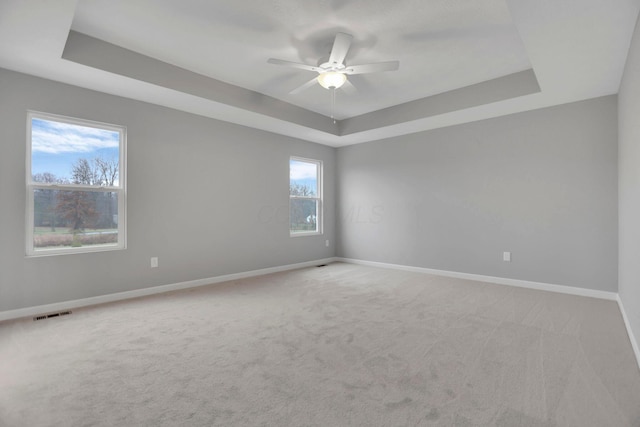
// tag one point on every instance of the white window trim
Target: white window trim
(319, 198)
(120, 190)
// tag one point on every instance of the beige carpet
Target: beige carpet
(341, 345)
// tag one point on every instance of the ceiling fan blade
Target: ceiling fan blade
(305, 86)
(348, 88)
(372, 68)
(293, 64)
(340, 48)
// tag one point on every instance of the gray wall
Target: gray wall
(208, 198)
(629, 186)
(541, 184)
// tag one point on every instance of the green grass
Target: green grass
(47, 230)
(67, 239)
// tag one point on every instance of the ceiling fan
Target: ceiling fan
(333, 73)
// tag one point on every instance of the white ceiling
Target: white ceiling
(209, 57)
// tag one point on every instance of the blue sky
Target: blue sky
(55, 146)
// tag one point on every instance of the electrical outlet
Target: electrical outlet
(154, 262)
(326, 243)
(506, 256)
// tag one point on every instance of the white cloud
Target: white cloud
(302, 170)
(56, 138)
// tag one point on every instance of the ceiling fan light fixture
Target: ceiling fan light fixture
(331, 79)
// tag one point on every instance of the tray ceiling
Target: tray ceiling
(460, 60)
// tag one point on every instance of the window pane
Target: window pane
(303, 216)
(74, 218)
(303, 178)
(66, 153)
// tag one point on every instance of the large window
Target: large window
(75, 185)
(305, 196)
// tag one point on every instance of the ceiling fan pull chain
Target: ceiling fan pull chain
(333, 103)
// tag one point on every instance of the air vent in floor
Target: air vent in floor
(47, 316)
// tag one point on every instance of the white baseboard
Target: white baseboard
(612, 296)
(627, 324)
(84, 302)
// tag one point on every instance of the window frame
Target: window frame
(318, 198)
(119, 190)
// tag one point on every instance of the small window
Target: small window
(305, 197)
(75, 185)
